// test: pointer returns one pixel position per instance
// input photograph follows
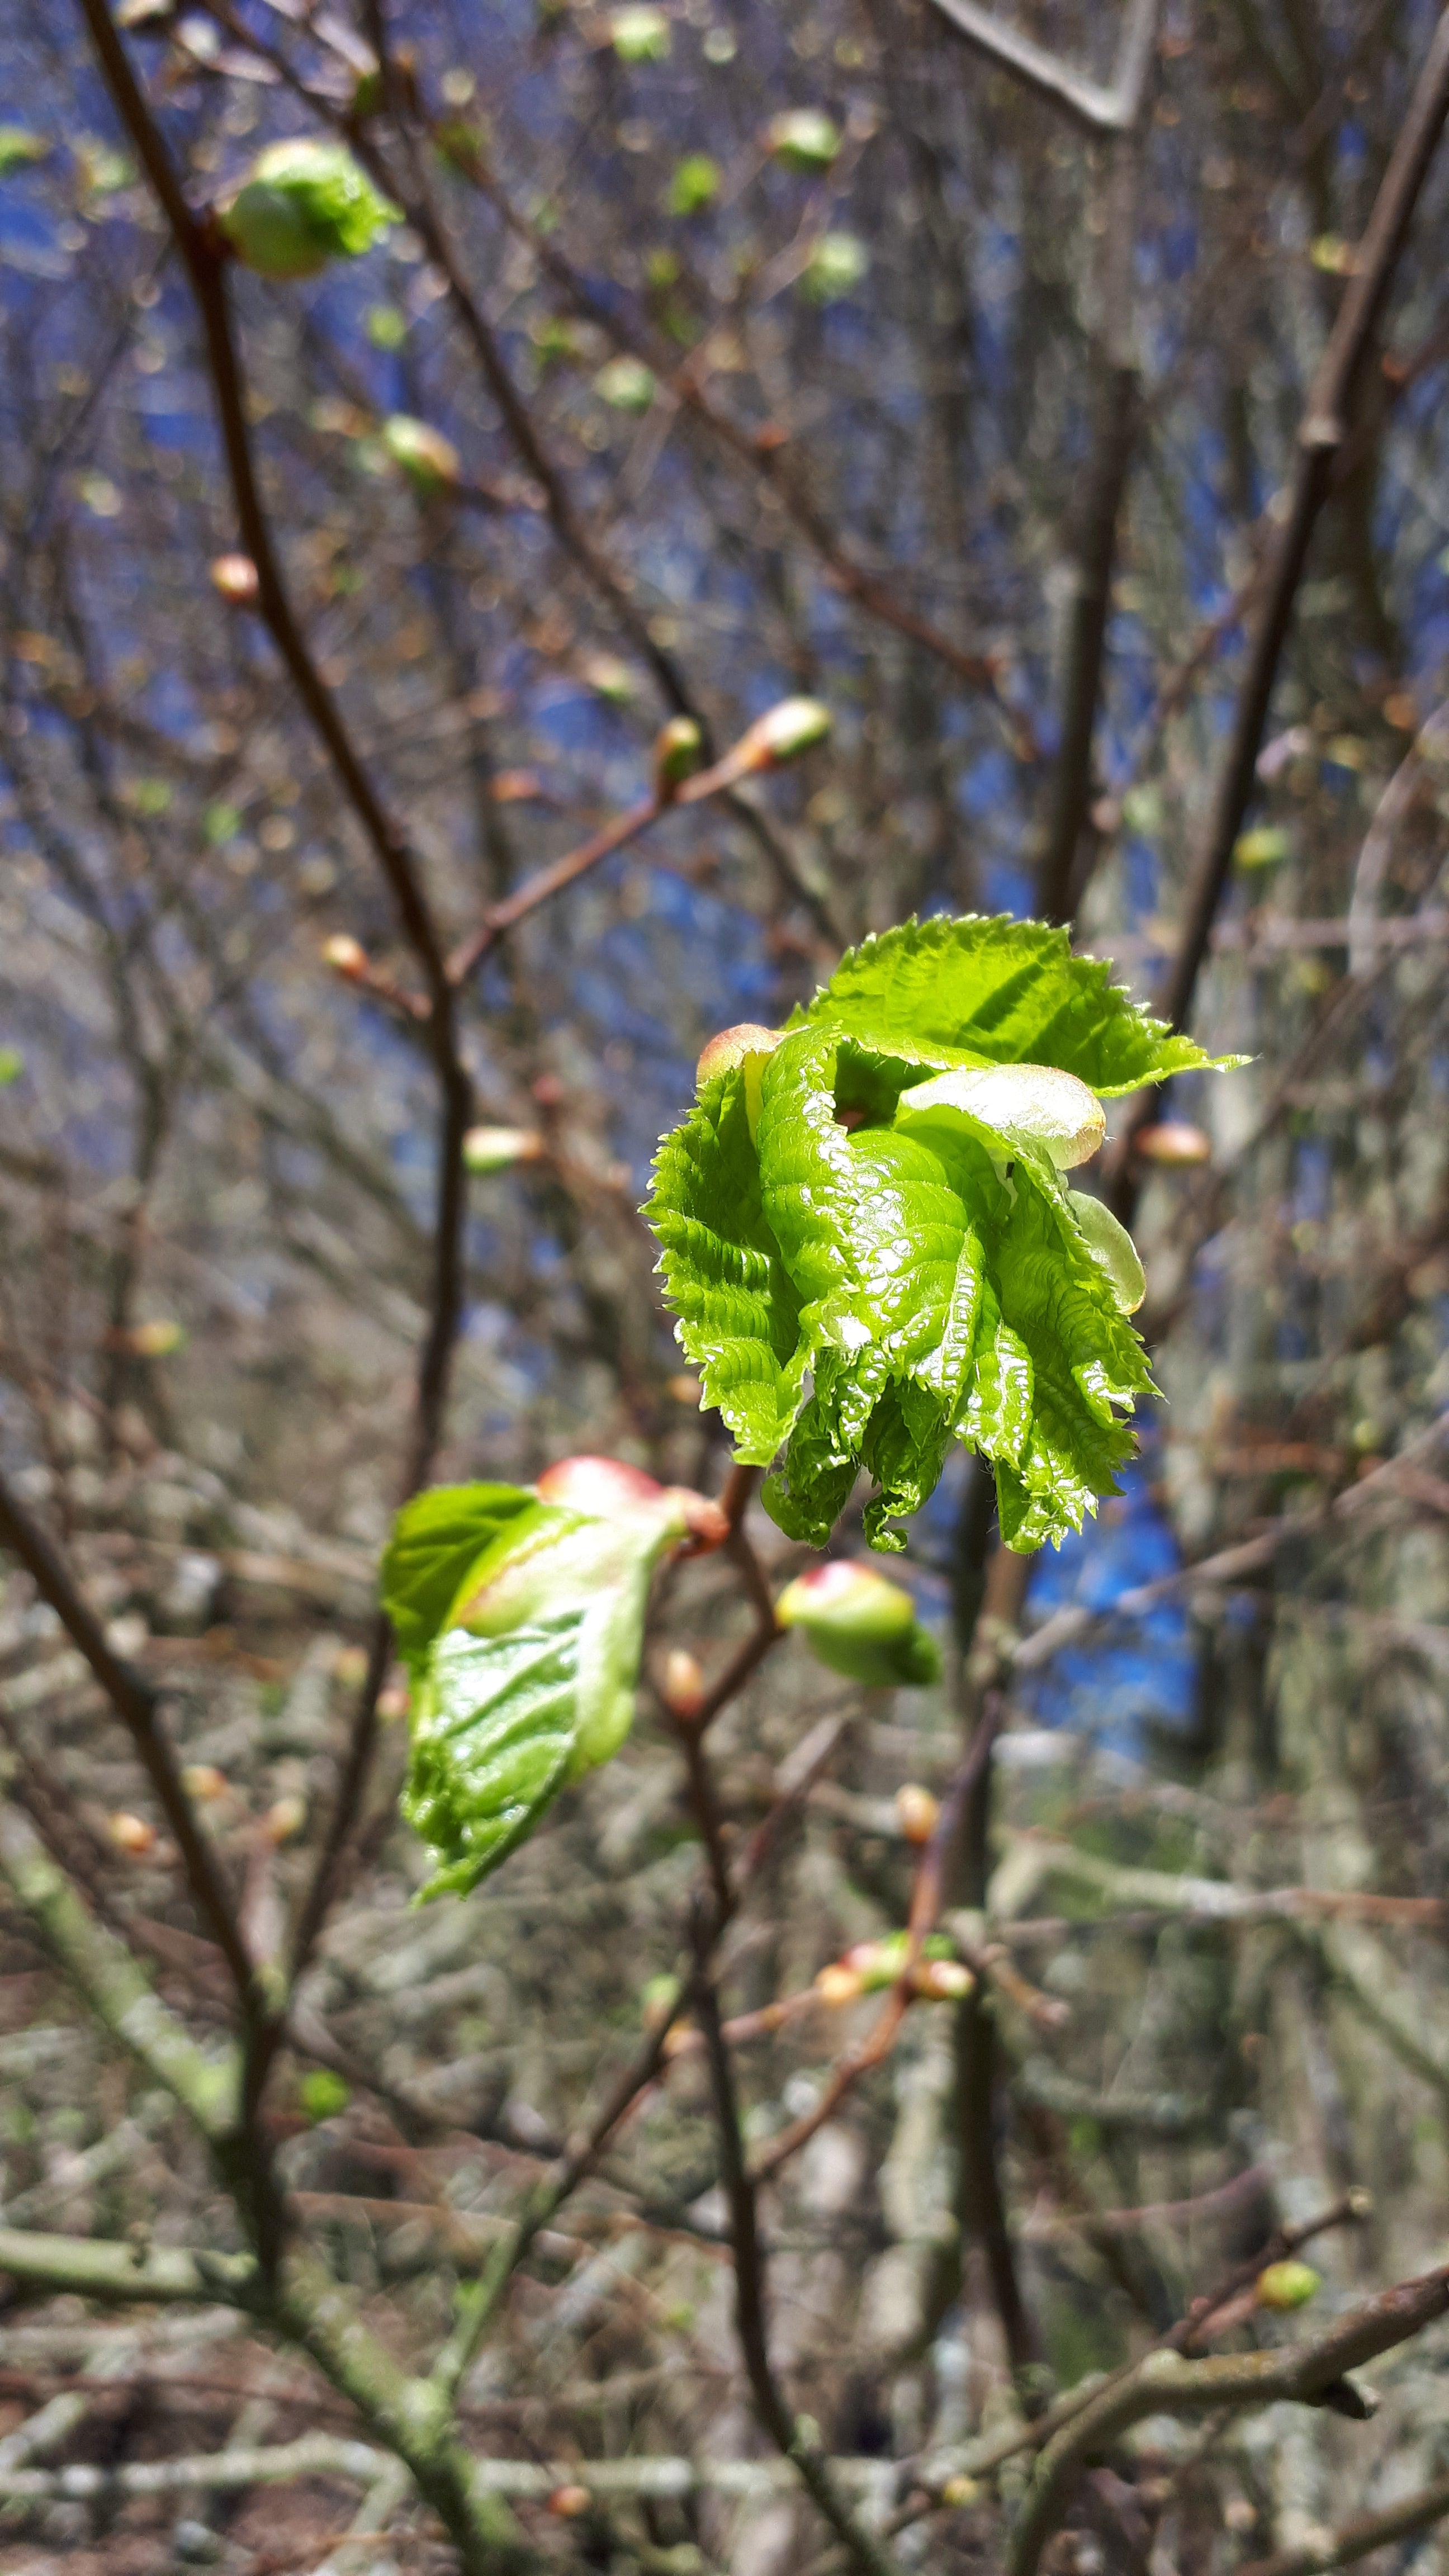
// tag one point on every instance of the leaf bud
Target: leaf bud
(569, 2502)
(1174, 1144)
(941, 1981)
(234, 578)
(683, 1682)
(131, 1834)
(159, 1339)
(839, 1984)
(493, 1149)
(284, 1819)
(346, 957)
(203, 1781)
(795, 725)
(859, 1624)
(428, 459)
(393, 1703)
(599, 1486)
(657, 2001)
(640, 35)
(626, 384)
(1285, 2286)
(304, 204)
(960, 2490)
(734, 1046)
(837, 263)
(678, 752)
(803, 138)
(916, 1812)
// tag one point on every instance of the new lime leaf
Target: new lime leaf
(493, 1739)
(998, 991)
(437, 1539)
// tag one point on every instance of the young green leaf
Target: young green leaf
(436, 1541)
(998, 991)
(869, 1246)
(521, 1612)
(492, 1740)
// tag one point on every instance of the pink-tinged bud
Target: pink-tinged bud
(493, 1149)
(839, 1984)
(941, 1981)
(874, 1964)
(393, 1703)
(569, 2502)
(678, 753)
(1174, 1144)
(346, 957)
(860, 1625)
(679, 2039)
(795, 725)
(706, 1523)
(203, 1781)
(1285, 2286)
(599, 1486)
(916, 1812)
(235, 578)
(284, 1820)
(683, 1683)
(131, 1834)
(734, 1046)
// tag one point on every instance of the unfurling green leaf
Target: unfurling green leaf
(869, 1246)
(428, 459)
(860, 1625)
(803, 138)
(303, 204)
(521, 1615)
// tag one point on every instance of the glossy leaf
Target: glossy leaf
(871, 1250)
(493, 1740)
(979, 991)
(437, 1539)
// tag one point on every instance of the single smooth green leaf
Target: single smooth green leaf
(997, 991)
(437, 1540)
(494, 1734)
(724, 1277)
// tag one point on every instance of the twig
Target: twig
(1358, 2539)
(790, 2437)
(1166, 2383)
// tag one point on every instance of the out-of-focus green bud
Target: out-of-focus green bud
(861, 1625)
(640, 35)
(386, 326)
(304, 204)
(19, 147)
(803, 138)
(834, 268)
(626, 384)
(678, 752)
(557, 337)
(495, 1149)
(323, 2094)
(370, 95)
(610, 678)
(12, 1064)
(869, 1966)
(1285, 2286)
(1266, 846)
(794, 726)
(461, 144)
(657, 2000)
(158, 1340)
(428, 459)
(695, 184)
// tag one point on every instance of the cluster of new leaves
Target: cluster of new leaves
(520, 1615)
(869, 1247)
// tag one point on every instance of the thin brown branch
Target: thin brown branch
(1359, 2538)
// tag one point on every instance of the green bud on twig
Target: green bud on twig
(640, 35)
(861, 1625)
(803, 138)
(795, 725)
(1285, 2286)
(678, 752)
(625, 384)
(304, 204)
(428, 459)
